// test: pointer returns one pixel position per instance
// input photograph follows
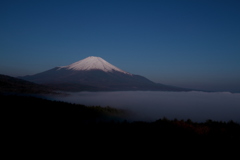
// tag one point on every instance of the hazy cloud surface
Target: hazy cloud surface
(151, 105)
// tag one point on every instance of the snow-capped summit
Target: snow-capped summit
(93, 63)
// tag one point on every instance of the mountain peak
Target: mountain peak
(93, 63)
(89, 74)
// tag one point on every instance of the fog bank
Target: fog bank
(153, 105)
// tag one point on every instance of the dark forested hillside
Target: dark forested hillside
(28, 110)
(29, 118)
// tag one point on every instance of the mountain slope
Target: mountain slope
(94, 74)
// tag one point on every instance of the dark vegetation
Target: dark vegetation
(36, 120)
(14, 85)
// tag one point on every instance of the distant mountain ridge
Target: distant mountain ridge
(10, 84)
(95, 74)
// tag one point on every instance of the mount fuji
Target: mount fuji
(95, 74)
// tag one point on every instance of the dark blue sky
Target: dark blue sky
(188, 43)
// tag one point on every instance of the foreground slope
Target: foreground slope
(41, 121)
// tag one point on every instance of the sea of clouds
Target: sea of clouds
(153, 105)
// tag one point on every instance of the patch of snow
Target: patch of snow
(93, 63)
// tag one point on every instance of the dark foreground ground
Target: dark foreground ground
(36, 122)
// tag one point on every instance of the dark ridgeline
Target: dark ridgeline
(10, 84)
(44, 121)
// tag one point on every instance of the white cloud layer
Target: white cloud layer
(151, 105)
